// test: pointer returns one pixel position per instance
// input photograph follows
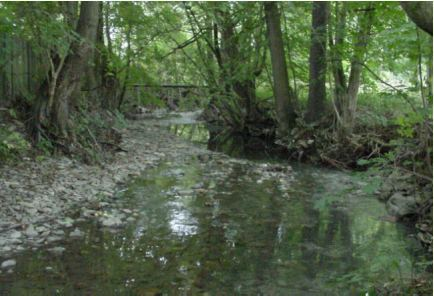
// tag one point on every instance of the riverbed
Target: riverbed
(219, 218)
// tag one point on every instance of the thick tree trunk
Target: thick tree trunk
(360, 46)
(70, 10)
(420, 12)
(71, 73)
(316, 104)
(244, 88)
(96, 66)
(228, 48)
(283, 94)
(346, 94)
(336, 44)
(110, 83)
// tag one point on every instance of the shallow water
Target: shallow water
(224, 226)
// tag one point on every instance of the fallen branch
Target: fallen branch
(416, 174)
(119, 148)
(335, 163)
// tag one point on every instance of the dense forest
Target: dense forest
(340, 85)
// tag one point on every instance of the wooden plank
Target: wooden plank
(167, 86)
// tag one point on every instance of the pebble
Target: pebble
(30, 231)
(16, 234)
(57, 250)
(67, 222)
(8, 263)
(76, 233)
(52, 239)
(46, 190)
(111, 222)
(7, 249)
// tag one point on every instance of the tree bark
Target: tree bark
(316, 104)
(70, 76)
(420, 12)
(127, 69)
(70, 10)
(282, 93)
(336, 45)
(360, 46)
(346, 94)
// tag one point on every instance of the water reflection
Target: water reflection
(228, 227)
(216, 139)
(181, 221)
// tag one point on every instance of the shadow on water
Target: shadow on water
(228, 226)
(234, 145)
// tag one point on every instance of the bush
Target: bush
(12, 144)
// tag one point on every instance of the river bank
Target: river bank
(165, 184)
(38, 199)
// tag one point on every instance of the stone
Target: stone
(127, 211)
(67, 222)
(8, 263)
(30, 231)
(76, 233)
(111, 221)
(57, 250)
(401, 205)
(52, 239)
(7, 249)
(16, 234)
(59, 232)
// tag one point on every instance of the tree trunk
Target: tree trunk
(97, 64)
(420, 12)
(346, 94)
(246, 90)
(336, 45)
(70, 10)
(283, 94)
(318, 65)
(71, 73)
(127, 69)
(360, 46)
(244, 87)
(429, 78)
(110, 82)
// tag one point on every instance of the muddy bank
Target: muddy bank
(40, 201)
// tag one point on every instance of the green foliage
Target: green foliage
(12, 145)
(45, 146)
(119, 119)
(407, 123)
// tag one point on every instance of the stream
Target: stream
(231, 222)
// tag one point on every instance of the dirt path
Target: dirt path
(40, 199)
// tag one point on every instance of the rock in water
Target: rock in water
(8, 263)
(401, 205)
(112, 222)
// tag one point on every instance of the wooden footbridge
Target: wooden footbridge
(171, 94)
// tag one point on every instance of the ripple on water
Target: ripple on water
(227, 227)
